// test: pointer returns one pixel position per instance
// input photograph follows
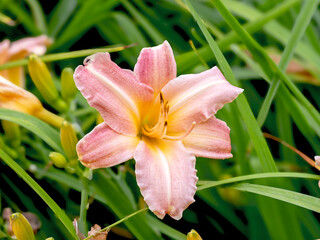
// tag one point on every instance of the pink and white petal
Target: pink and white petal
(26, 46)
(114, 92)
(196, 97)
(104, 147)
(156, 66)
(166, 176)
(16, 98)
(16, 75)
(209, 139)
(4, 51)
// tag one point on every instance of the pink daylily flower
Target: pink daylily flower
(160, 120)
(18, 50)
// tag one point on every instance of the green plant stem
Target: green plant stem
(118, 222)
(254, 131)
(84, 204)
(42, 193)
(265, 62)
(210, 184)
(65, 55)
(299, 28)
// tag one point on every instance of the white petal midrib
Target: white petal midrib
(167, 173)
(184, 98)
(115, 89)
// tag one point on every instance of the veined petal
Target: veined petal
(156, 66)
(104, 147)
(196, 97)
(166, 176)
(15, 98)
(25, 46)
(209, 139)
(114, 92)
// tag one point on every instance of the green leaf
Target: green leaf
(298, 199)
(210, 184)
(38, 127)
(42, 193)
(60, 15)
(258, 140)
(38, 15)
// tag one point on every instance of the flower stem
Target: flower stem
(84, 203)
(118, 222)
(49, 117)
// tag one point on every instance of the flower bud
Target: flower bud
(68, 87)
(69, 140)
(21, 227)
(41, 77)
(15, 98)
(193, 235)
(58, 159)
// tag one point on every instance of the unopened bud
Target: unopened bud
(21, 227)
(69, 140)
(58, 159)
(68, 87)
(193, 235)
(16, 98)
(50, 238)
(41, 77)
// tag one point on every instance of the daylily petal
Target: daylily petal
(113, 91)
(4, 48)
(15, 98)
(210, 139)
(166, 176)
(156, 66)
(196, 97)
(25, 46)
(104, 147)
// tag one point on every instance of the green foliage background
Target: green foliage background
(237, 36)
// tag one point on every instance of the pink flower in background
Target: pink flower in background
(18, 50)
(160, 120)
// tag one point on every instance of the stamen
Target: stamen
(176, 138)
(160, 128)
